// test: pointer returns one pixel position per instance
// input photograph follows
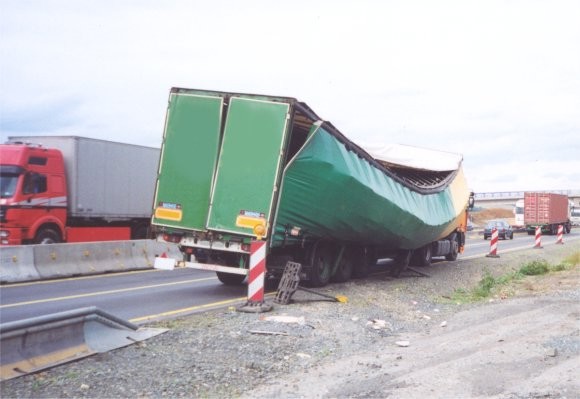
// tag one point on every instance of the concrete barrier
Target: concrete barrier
(144, 252)
(38, 262)
(38, 343)
(17, 264)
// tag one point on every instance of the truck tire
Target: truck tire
(321, 262)
(47, 235)
(401, 262)
(344, 269)
(422, 256)
(230, 278)
(452, 256)
(363, 259)
(140, 232)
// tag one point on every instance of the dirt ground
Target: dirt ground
(524, 347)
(480, 217)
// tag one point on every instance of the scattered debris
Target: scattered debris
(285, 319)
(268, 332)
(377, 324)
(443, 324)
(552, 352)
(403, 344)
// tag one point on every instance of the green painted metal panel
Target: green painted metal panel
(331, 193)
(190, 150)
(248, 164)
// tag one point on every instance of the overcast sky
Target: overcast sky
(497, 81)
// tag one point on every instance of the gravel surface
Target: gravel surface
(385, 342)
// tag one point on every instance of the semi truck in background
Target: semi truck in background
(547, 211)
(74, 189)
(519, 215)
(241, 167)
(574, 214)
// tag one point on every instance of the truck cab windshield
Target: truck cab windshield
(9, 175)
(8, 185)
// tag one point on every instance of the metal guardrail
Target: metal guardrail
(42, 342)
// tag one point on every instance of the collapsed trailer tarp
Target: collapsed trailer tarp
(330, 191)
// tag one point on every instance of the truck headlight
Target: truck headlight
(4, 233)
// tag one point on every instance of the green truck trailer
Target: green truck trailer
(241, 167)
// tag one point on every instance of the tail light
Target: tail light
(175, 238)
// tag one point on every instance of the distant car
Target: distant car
(469, 225)
(504, 230)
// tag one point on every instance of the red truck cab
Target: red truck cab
(33, 194)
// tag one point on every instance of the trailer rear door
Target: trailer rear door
(188, 160)
(248, 165)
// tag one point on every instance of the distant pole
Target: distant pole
(538, 238)
(560, 239)
(493, 244)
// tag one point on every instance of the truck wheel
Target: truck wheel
(452, 256)
(401, 262)
(47, 236)
(140, 232)
(365, 258)
(344, 268)
(423, 256)
(230, 278)
(321, 263)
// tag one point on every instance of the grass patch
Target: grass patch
(485, 285)
(500, 286)
(535, 268)
(573, 260)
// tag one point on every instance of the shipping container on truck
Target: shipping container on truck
(547, 211)
(240, 167)
(75, 189)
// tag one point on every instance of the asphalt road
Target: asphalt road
(143, 296)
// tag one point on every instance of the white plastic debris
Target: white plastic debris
(404, 344)
(377, 324)
(285, 319)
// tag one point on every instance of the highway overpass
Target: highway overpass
(507, 199)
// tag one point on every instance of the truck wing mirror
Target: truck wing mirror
(471, 202)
